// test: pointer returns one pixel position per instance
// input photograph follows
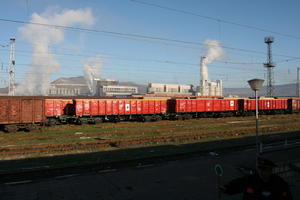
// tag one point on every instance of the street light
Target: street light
(255, 85)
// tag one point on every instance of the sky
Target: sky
(147, 41)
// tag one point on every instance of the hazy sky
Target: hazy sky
(122, 30)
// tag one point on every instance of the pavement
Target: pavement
(187, 179)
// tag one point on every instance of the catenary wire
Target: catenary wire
(133, 35)
(214, 19)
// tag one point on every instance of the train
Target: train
(29, 112)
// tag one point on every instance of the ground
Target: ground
(186, 179)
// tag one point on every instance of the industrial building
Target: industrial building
(210, 88)
(160, 88)
(117, 90)
(77, 86)
(110, 87)
(207, 87)
(73, 86)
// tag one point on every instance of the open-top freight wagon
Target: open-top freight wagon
(57, 111)
(265, 106)
(27, 112)
(294, 105)
(194, 108)
(98, 110)
(21, 113)
(83, 111)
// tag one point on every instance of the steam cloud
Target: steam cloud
(214, 51)
(43, 64)
(91, 69)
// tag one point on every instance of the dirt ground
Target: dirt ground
(70, 139)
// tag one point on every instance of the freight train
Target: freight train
(28, 112)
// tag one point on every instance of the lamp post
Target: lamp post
(255, 85)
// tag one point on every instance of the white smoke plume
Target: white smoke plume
(214, 51)
(91, 69)
(44, 64)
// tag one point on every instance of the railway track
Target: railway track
(129, 142)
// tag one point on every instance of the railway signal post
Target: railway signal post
(256, 85)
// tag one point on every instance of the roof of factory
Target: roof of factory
(70, 80)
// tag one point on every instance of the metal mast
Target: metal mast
(11, 71)
(270, 65)
(298, 82)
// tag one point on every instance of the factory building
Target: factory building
(117, 90)
(109, 87)
(159, 88)
(74, 86)
(77, 86)
(207, 87)
(210, 88)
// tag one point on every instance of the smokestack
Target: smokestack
(213, 51)
(203, 75)
(203, 70)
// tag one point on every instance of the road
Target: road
(187, 179)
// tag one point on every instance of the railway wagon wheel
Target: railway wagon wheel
(116, 119)
(10, 128)
(30, 127)
(52, 122)
(157, 118)
(180, 117)
(98, 120)
(81, 121)
(147, 119)
(188, 116)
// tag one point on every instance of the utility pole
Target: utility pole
(1, 78)
(11, 71)
(298, 82)
(270, 65)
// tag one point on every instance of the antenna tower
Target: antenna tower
(270, 65)
(11, 71)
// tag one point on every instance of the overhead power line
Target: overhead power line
(132, 35)
(132, 59)
(214, 19)
(1, 45)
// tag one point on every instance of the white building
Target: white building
(159, 88)
(116, 90)
(74, 86)
(207, 87)
(210, 88)
(77, 86)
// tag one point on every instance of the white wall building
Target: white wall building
(210, 88)
(74, 86)
(116, 90)
(77, 86)
(207, 87)
(159, 88)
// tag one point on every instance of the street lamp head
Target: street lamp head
(256, 83)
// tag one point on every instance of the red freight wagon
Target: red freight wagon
(58, 110)
(264, 105)
(204, 107)
(294, 105)
(57, 107)
(21, 112)
(119, 109)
